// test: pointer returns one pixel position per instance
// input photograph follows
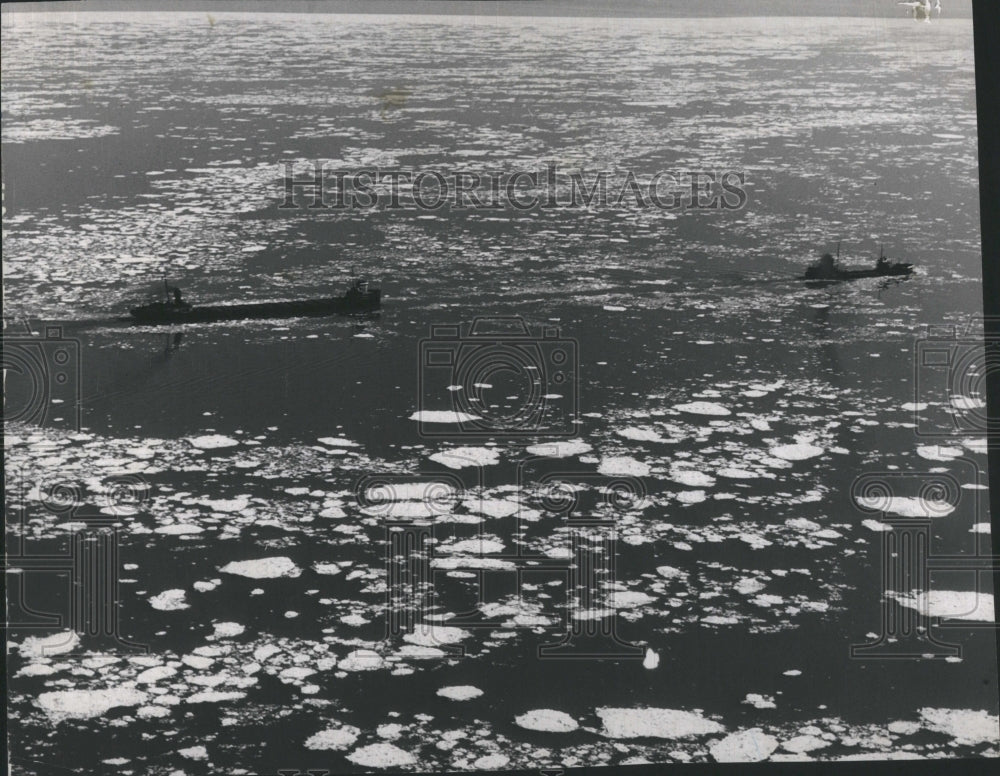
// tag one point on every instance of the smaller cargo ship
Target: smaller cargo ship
(828, 268)
(360, 298)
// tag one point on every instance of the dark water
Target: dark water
(145, 144)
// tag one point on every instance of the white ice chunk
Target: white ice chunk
(333, 738)
(622, 465)
(381, 755)
(746, 746)
(87, 704)
(263, 568)
(443, 416)
(337, 442)
(547, 720)
(953, 604)
(460, 457)
(796, 452)
(907, 506)
(964, 725)
(46, 646)
(460, 692)
(169, 600)
(703, 408)
(212, 442)
(559, 449)
(655, 723)
(939, 452)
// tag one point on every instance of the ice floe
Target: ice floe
(426, 635)
(966, 726)
(559, 449)
(703, 408)
(337, 442)
(491, 762)
(939, 452)
(443, 416)
(169, 600)
(461, 457)
(906, 506)
(623, 465)
(804, 743)
(737, 473)
(746, 746)
(212, 442)
(655, 723)
(966, 403)
(975, 445)
(86, 704)
(382, 755)
(692, 496)
(460, 692)
(691, 478)
(480, 546)
(227, 630)
(952, 604)
(547, 720)
(228, 505)
(628, 599)
(333, 738)
(46, 646)
(466, 562)
(362, 660)
(799, 451)
(179, 529)
(263, 568)
(643, 435)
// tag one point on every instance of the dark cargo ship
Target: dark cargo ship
(827, 268)
(358, 299)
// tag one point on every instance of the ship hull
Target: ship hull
(163, 314)
(898, 270)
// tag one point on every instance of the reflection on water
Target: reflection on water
(743, 401)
